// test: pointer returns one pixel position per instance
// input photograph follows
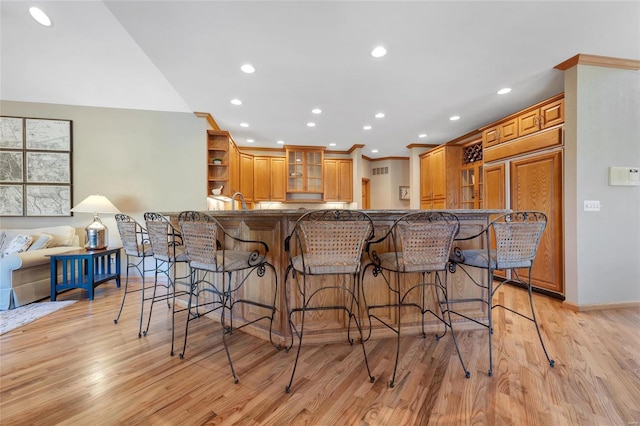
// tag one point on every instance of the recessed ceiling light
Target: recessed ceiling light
(380, 115)
(311, 124)
(367, 127)
(378, 52)
(280, 142)
(236, 101)
(244, 124)
(454, 117)
(316, 111)
(40, 16)
(504, 91)
(422, 135)
(332, 144)
(248, 68)
(250, 140)
(374, 150)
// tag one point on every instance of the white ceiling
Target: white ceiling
(444, 58)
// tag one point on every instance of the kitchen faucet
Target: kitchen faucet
(233, 199)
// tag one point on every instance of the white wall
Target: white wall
(385, 187)
(602, 129)
(140, 160)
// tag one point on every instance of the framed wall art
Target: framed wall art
(404, 193)
(35, 166)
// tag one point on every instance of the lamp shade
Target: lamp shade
(97, 233)
(95, 204)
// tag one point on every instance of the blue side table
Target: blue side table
(84, 269)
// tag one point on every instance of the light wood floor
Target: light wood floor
(76, 366)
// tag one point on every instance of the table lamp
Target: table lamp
(97, 233)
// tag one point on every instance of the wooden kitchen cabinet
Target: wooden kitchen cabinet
(501, 132)
(218, 161)
(543, 115)
(547, 115)
(304, 169)
(439, 178)
(269, 179)
(471, 177)
(536, 184)
(338, 180)
(494, 184)
(246, 176)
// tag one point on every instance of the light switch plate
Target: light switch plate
(591, 205)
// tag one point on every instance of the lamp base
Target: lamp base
(97, 235)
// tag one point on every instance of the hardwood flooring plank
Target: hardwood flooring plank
(76, 366)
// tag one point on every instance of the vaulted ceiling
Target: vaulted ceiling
(443, 59)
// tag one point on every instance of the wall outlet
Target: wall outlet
(591, 205)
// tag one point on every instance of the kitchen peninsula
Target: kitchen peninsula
(273, 226)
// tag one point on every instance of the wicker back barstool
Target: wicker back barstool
(419, 244)
(321, 243)
(510, 244)
(223, 266)
(137, 248)
(168, 251)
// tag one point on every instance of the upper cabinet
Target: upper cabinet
(439, 178)
(538, 117)
(246, 176)
(218, 161)
(547, 115)
(304, 169)
(338, 180)
(269, 179)
(501, 132)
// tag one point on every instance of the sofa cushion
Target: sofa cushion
(61, 236)
(18, 244)
(40, 242)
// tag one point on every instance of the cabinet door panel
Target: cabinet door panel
(261, 181)
(331, 187)
(552, 113)
(529, 122)
(494, 186)
(490, 137)
(278, 179)
(246, 176)
(508, 130)
(425, 177)
(438, 174)
(345, 174)
(536, 184)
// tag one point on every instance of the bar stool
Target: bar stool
(137, 248)
(168, 252)
(214, 264)
(510, 244)
(420, 243)
(321, 243)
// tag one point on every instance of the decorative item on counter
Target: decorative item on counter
(217, 191)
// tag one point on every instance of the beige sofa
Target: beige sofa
(24, 277)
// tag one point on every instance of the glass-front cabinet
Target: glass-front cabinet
(304, 170)
(471, 177)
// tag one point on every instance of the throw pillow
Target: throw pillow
(19, 244)
(41, 241)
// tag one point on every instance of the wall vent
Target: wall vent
(380, 171)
